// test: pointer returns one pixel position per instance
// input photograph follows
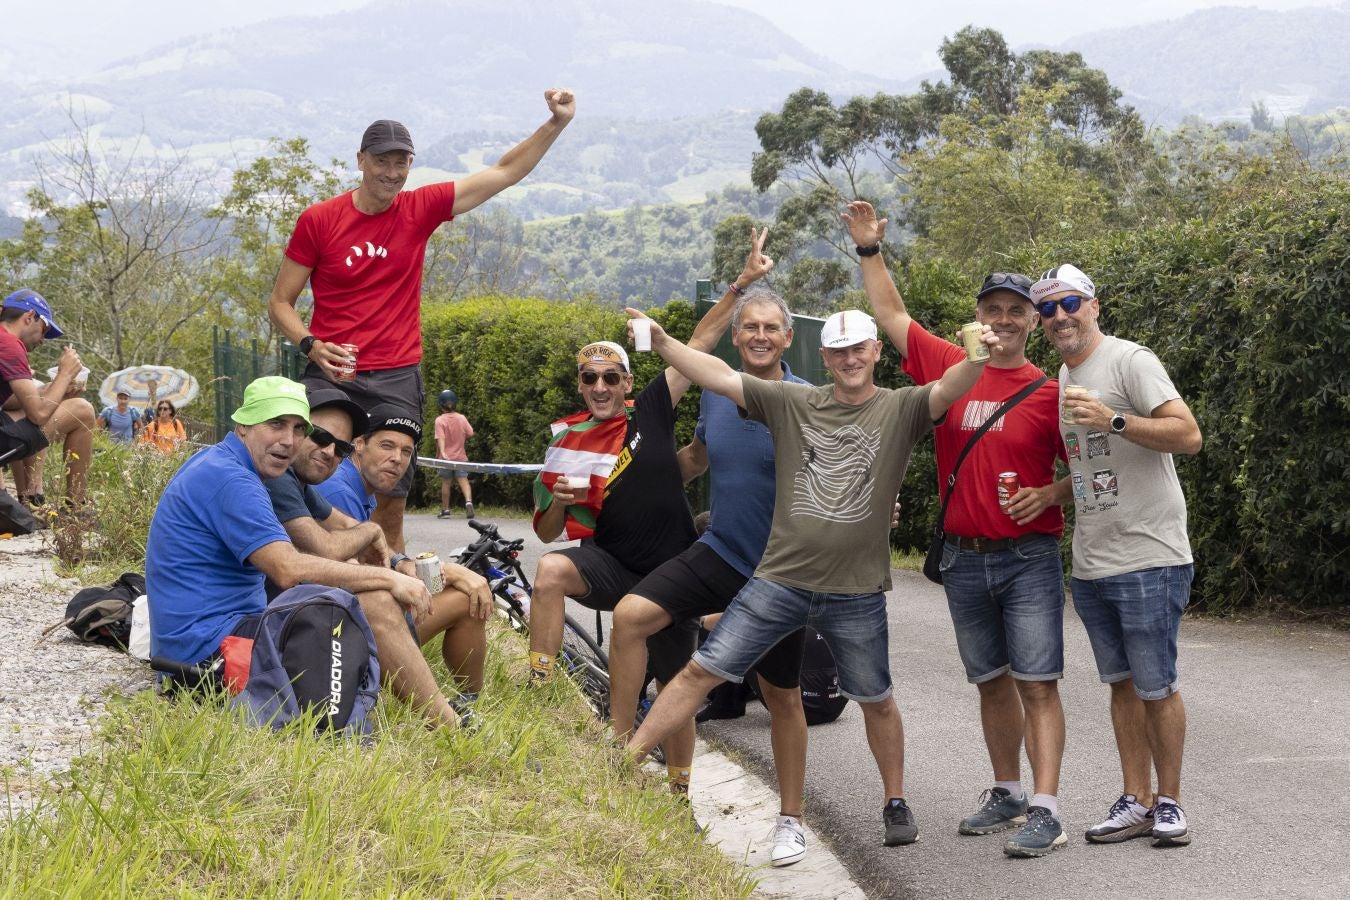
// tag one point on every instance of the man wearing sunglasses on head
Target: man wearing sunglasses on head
(1132, 565)
(1000, 564)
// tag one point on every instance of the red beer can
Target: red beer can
(1008, 485)
(347, 371)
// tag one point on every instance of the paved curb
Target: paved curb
(738, 811)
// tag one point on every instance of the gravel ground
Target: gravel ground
(51, 693)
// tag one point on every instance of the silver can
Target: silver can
(976, 349)
(428, 566)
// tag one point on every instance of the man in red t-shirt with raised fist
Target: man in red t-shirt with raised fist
(1000, 566)
(362, 252)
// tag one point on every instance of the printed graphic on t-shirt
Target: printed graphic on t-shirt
(370, 252)
(978, 412)
(835, 480)
(1071, 445)
(1097, 444)
(625, 457)
(1079, 486)
(1103, 483)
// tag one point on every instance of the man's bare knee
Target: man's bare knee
(636, 616)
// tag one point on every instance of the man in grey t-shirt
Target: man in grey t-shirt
(840, 453)
(1132, 566)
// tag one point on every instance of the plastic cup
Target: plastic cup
(1075, 392)
(642, 334)
(579, 483)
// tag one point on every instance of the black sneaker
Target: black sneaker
(444, 514)
(899, 821)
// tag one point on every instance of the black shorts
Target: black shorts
(607, 582)
(20, 434)
(400, 388)
(699, 582)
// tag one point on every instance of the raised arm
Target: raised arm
(711, 327)
(703, 369)
(958, 379)
(869, 231)
(474, 190)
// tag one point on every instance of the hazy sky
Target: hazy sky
(77, 36)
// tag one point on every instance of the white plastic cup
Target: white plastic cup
(642, 334)
(579, 483)
(81, 378)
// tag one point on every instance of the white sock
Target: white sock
(1014, 788)
(1049, 801)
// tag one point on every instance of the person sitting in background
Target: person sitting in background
(165, 433)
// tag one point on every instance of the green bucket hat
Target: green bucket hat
(272, 396)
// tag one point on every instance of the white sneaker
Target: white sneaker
(789, 841)
(1169, 828)
(1126, 820)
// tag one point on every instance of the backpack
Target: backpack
(15, 518)
(313, 650)
(820, 681)
(102, 615)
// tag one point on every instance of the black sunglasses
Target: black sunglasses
(994, 279)
(322, 438)
(611, 378)
(1070, 303)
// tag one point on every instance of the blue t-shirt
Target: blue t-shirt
(293, 499)
(121, 425)
(347, 492)
(212, 516)
(741, 469)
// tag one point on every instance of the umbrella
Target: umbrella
(174, 385)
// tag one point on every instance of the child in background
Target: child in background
(452, 430)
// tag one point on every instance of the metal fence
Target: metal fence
(238, 363)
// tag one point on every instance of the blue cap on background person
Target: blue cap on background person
(449, 399)
(271, 397)
(36, 303)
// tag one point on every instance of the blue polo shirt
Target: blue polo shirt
(741, 471)
(293, 499)
(347, 492)
(212, 516)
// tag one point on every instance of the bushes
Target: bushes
(1248, 313)
(513, 364)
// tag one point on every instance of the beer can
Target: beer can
(346, 371)
(1008, 485)
(976, 349)
(428, 567)
(1078, 392)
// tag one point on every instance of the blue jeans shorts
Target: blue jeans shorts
(1008, 609)
(1132, 621)
(765, 612)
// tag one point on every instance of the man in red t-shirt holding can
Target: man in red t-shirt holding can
(1000, 566)
(362, 252)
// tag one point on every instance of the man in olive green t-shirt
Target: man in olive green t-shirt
(840, 453)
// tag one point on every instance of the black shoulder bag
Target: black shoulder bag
(933, 561)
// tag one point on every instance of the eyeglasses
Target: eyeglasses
(164, 409)
(995, 279)
(611, 378)
(322, 439)
(1070, 303)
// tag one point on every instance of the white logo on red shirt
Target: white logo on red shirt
(370, 251)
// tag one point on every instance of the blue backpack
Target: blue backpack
(314, 649)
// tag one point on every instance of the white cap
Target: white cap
(1062, 278)
(846, 328)
(603, 352)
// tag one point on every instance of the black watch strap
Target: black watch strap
(870, 251)
(306, 344)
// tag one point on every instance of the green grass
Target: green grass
(912, 560)
(179, 799)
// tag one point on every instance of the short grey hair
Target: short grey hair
(765, 296)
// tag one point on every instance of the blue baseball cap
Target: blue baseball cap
(34, 302)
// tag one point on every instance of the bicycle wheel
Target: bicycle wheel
(587, 665)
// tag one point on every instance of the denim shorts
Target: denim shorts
(1008, 609)
(1132, 621)
(765, 612)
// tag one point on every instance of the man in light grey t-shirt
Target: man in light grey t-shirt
(1132, 565)
(840, 453)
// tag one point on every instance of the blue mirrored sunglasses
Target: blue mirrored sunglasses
(1070, 303)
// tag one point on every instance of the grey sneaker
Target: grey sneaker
(468, 510)
(1039, 836)
(998, 811)
(1126, 820)
(899, 821)
(1169, 826)
(789, 841)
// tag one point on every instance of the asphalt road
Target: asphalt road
(1264, 785)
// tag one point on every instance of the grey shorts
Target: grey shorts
(448, 474)
(400, 388)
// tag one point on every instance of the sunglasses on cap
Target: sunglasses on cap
(322, 438)
(611, 378)
(999, 278)
(1070, 303)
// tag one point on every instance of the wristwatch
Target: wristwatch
(306, 344)
(1117, 423)
(869, 251)
(398, 558)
